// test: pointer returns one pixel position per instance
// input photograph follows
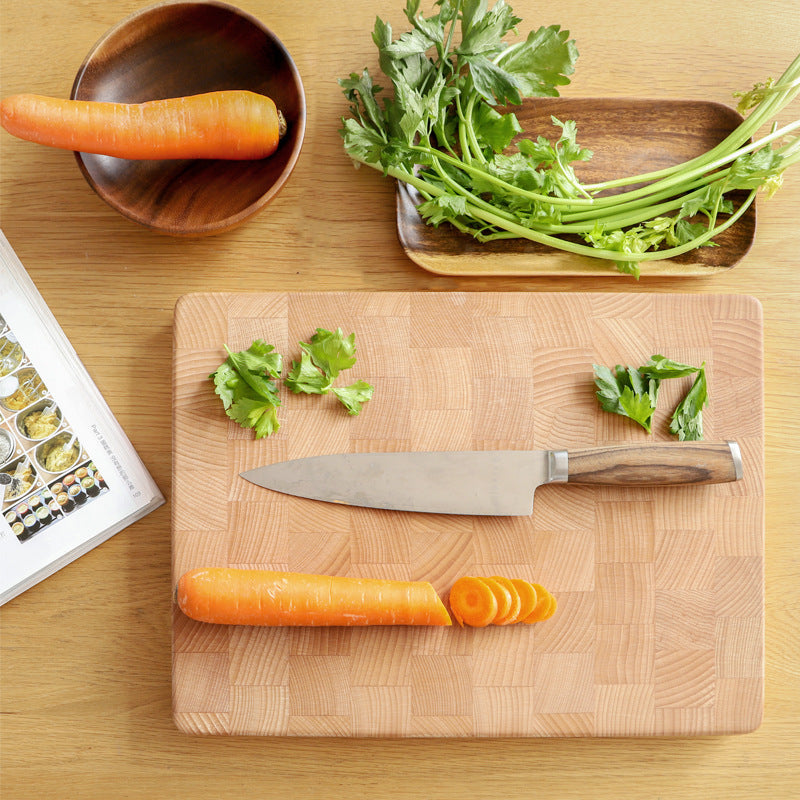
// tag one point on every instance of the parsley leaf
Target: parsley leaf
(323, 357)
(626, 392)
(661, 367)
(354, 395)
(331, 351)
(633, 393)
(246, 382)
(687, 420)
(543, 62)
(305, 377)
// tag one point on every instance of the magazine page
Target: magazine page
(69, 476)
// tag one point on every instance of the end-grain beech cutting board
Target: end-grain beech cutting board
(659, 629)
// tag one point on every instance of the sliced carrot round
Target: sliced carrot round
(516, 603)
(472, 602)
(527, 597)
(543, 605)
(551, 609)
(503, 597)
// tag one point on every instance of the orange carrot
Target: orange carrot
(513, 612)
(478, 601)
(226, 124)
(527, 597)
(545, 606)
(230, 596)
(502, 594)
(472, 602)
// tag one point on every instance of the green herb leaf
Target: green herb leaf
(331, 351)
(687, 420)
(634, 393)
(305, 377)
(638, 407)
(246, 382)
(354, 396)
(253, 412)
(662, 367)
(626, 392)
(322, 359)
(543, 62)
(482, 30)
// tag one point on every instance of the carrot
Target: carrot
(545, 606)
(478, 601)
(527, 597)
(230, 596)
(226, 124)
(513, 612)
(472, 602)
(502, 594)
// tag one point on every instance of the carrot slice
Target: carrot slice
(230, 596)
(527, 596)
(551, 608)
(502, 594)
(516, 603)
(472, 602)
(545, 605)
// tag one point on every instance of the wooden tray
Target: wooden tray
(660, 624)
(629, 136)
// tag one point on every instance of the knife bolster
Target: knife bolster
(557, 466)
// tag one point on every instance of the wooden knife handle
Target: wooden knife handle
(657, 464)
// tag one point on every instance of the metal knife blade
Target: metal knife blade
(495, 483)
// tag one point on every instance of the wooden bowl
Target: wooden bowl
(180, 48)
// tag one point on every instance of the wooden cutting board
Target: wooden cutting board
(660, 623)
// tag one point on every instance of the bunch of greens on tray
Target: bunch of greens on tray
(445, 129)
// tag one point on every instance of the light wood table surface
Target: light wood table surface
(86, 654)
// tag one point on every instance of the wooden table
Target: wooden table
(86, 654)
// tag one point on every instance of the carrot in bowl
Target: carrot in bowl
(226, 124)
(229, 596)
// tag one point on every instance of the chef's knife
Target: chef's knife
(491, 482)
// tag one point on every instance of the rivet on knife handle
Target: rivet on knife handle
(657, 464)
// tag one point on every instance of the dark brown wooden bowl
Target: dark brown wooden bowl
(628, 136)
(174, 49)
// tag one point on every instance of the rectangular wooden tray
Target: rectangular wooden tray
(660, 624)
(628, 136)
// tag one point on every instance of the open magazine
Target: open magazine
(69, 476)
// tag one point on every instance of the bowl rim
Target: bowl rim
(232, 221)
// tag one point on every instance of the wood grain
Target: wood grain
(628, 136)
(606, 655)
(694, 463)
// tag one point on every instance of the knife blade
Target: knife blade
(491, 482)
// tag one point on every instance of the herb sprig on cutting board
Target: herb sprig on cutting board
(445, 129)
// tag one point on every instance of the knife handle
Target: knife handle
(656, 464)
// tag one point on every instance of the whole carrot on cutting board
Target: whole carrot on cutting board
(230, 596)
(234, 124)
